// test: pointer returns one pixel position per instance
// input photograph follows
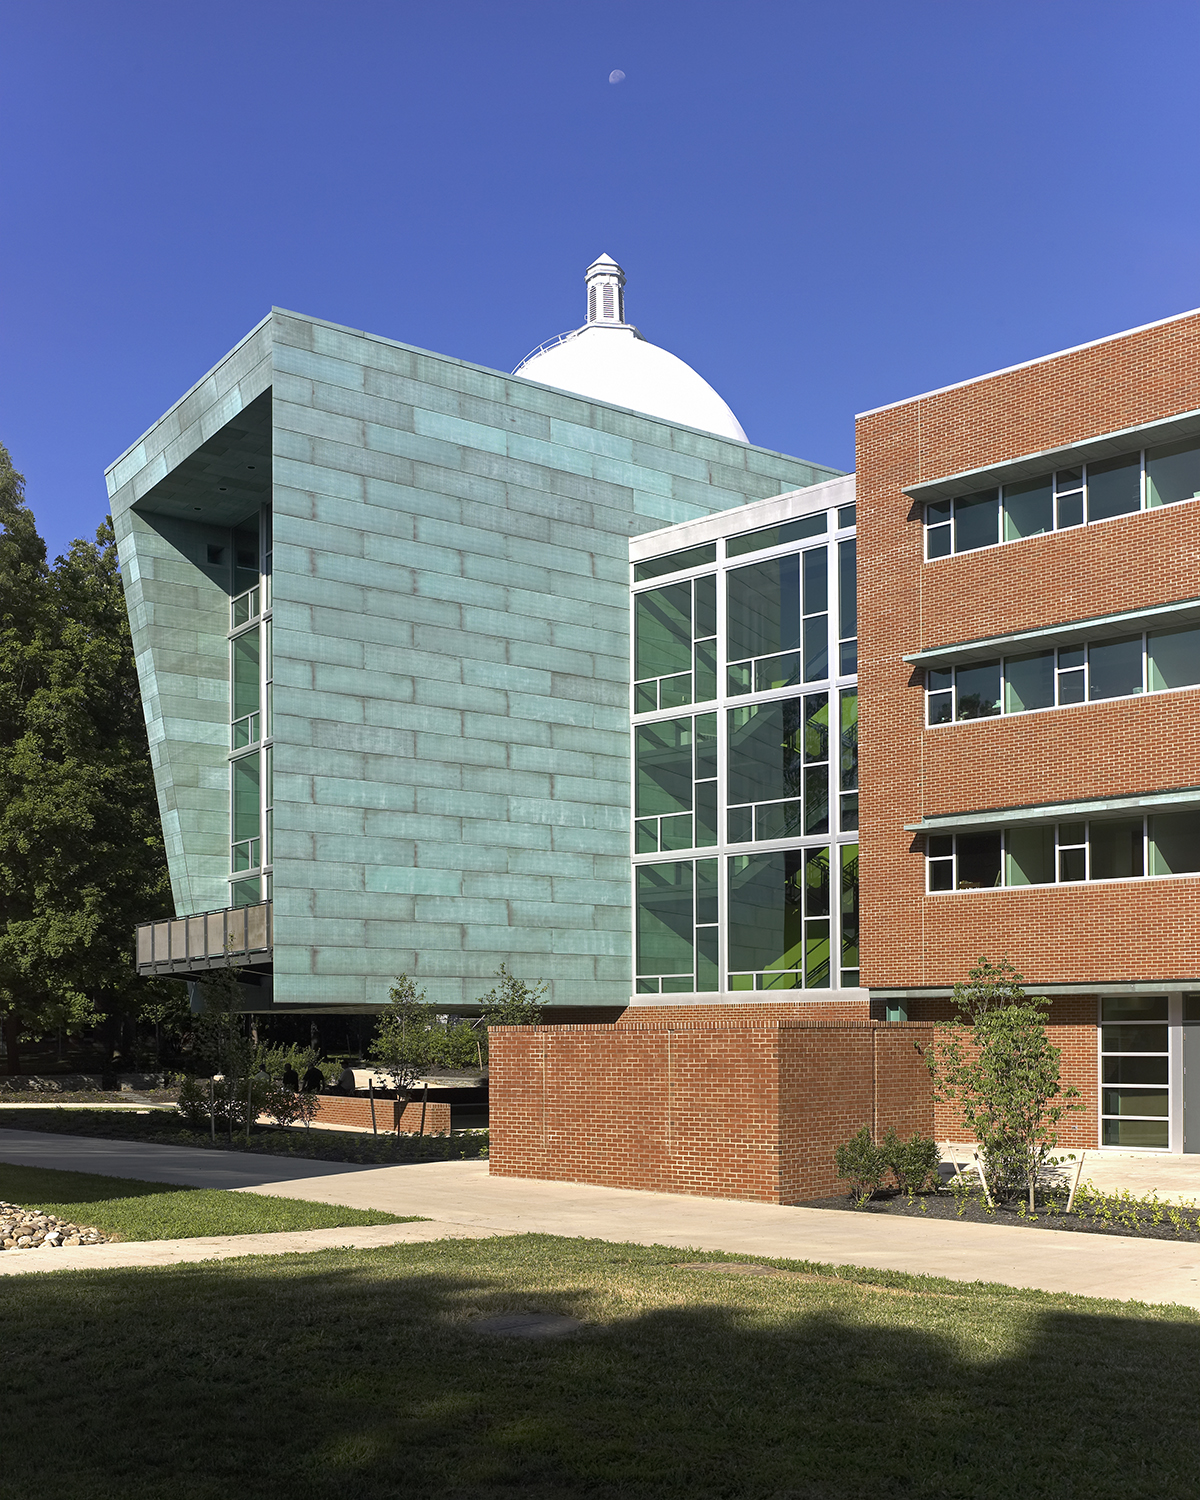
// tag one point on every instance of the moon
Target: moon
(616, 76)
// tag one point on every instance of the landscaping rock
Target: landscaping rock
(30, 1229)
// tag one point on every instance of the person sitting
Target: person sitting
(314, 1080)
(345, 1081)
(291, 1080)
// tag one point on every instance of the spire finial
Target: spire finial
(606, 291)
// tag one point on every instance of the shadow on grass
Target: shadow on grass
(30, 1185)
(359, 1375)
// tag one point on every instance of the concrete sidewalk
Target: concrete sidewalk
(231, 1246)
(461, 1195)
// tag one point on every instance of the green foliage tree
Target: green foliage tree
(513, 1002)
(401, 1046)
(995, 1061)
(81, 856)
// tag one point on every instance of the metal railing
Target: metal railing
(549, 344)
(209, 940)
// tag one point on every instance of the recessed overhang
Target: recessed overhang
(223, 480)
(1033, 465)
(982, 819)
(1094, 628)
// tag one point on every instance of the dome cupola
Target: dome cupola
(607, 359)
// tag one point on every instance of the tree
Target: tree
(81, 855)
(402, 1039)
(996, 1063)
(512, 1002)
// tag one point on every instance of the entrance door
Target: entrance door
(1135, 1095)
(1191, 1073)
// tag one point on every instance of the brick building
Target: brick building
(1030, 651)
(433, 655)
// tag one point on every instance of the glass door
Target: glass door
(1135, 1091)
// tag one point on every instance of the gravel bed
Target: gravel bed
(30, 1229)
(974, 1211)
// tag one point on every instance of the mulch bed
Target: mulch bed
(164, 1128)
(974, 1211)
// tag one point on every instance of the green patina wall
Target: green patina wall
(451, 654)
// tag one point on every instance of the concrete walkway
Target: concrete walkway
(230, 1246)
(461, 1196)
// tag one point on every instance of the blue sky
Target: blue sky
(822, 207)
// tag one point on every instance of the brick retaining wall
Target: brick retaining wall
(335, 1109)
(724, 1109)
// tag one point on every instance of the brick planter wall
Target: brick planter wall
(722, 1109)
(335, 1109)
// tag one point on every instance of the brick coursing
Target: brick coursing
(749, 1109)
(1124, 931)
(1072, 1029)
(345, 1110)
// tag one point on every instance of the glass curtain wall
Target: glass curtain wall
(250, 708)
(754, 792)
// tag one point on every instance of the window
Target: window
(963, 862)
(1173, 841)
(745, 784)
(1028, 508)
(677, 927)
(1087, 493)
(971, 692)
(1119, 668)
(777, 782)
(1115, 668)
(1173, 473)
(849, 760)
(1067, 853)
(244, 688)
(675, 647)
(675, 799)
(779, 920)
(1135, 1077)
(975, 518)
(849, 861)
(1028, 682)
(847, 609)
(1173, 658)
(798, 530)
(251, 765)
(778, 622)
(674, 562)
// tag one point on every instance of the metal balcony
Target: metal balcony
(183, 947)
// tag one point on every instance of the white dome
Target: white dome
(609, 360)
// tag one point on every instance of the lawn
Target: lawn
(359, 1374)
(125, 1209)
(164, 1127)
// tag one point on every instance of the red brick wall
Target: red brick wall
(722, 1109)
(1133, 930)
(1072, 1027)
(333, 1109)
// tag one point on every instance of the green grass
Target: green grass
(357, 1374)
(129, 1210)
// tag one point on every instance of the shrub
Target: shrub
(456, 1044)
(862, 1164)
(913, 1161)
